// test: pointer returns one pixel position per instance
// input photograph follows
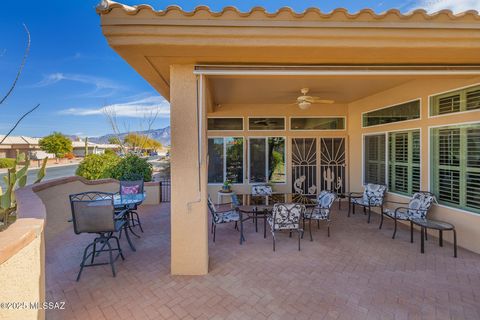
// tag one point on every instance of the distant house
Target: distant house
(14, 144)
(93, 148)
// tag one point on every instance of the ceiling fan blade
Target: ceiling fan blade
(322, 101)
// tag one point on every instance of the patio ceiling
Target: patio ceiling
(285, 89)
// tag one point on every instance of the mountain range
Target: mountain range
(161, 135)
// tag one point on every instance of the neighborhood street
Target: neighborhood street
(52, 173)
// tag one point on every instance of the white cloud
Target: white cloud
(102, 87)
(138, 108)
(456, 6)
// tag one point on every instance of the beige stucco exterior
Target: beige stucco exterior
(254, 64)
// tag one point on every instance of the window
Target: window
(404, 162)
(225, 124)
(317, 123)
(455, 101)
(374, 159)
(400, 112)
(266, 123)
(225, 160)
(267, 160)
(456, 166)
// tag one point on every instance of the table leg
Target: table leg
(411, 231)
(454, 243)
(219, 198)
(440, 238)
(422, 242)
(241, 227)
(265, 225)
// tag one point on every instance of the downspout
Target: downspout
(199, 102)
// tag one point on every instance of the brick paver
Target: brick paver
(357, 273)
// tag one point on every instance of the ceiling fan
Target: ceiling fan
(304, 102)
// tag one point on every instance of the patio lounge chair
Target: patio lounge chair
(94, 212)
(220, 216)
(321, 211)
(129, 188)
(417, 207)
(286, 216)
(372, 196)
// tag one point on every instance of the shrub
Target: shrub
(97, 166)
(132, 167)
(110, 151)
(6, 163)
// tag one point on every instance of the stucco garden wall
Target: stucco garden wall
(466, 223)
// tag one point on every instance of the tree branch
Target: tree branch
(20, 69)
(18, 122)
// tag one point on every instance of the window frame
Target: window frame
(225, 160)
(431, 165)
(384, 133)
(451, 91)
(271, 130)
(227, 130)
(393, 105)
(266, 159)
(388, 160)
(316, 130)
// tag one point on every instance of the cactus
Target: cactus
(16, 179)
(86, 147)
(42, 172)
(329, 177)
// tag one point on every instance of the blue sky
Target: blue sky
(73, 73)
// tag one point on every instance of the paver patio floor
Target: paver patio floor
(357, 273)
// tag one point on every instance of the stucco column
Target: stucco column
(189, 219)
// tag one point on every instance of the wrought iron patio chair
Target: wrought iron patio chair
(371, 197)
(129, 188)
(418, 207)
(286, 216)
(94, 212)
(261, 190)
(220, 216)
(320, 212)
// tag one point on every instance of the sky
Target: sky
(74, 75)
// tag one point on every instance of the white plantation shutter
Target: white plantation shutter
(404, 162)
(374, 159)
(456, 101)
(456, 166)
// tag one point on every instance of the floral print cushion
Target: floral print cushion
(373, 195)
(318, 214)
(261, 190)
(223, 217)
(130, 189)
(322, 210)
(401, 214)
(421, 202)
(286, 216)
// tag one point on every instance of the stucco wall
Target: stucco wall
(265, 110)
(22, 258)
(466, 223)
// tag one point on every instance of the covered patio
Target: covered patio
(357, 273)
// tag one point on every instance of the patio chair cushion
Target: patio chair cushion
(372, 196)
(229, 216)
(318, 214)
(286, 216)
(130, 189)
(422, 202)
(261, 190)
(401, 214)
(326, 199)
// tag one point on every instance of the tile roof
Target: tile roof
(106, 6)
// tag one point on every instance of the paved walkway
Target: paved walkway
(357, 273)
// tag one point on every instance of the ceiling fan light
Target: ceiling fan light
(304, 105)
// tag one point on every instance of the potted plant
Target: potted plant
(227, 186)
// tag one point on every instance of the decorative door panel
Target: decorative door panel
(304, 166)
(332, 164)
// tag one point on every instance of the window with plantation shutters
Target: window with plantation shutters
(456, 166)
(456, 101)
(374, 159)
(404, 162)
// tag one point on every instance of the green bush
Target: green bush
(97, 166)
(110, 151)
(6, 163)
(132, 167)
